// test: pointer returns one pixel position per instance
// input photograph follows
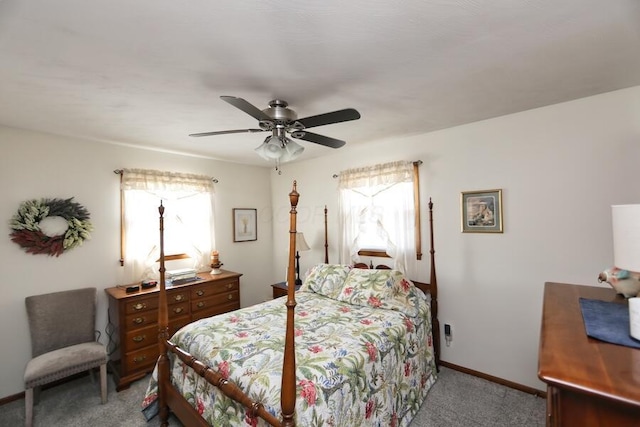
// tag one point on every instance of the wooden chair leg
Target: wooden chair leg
(103, 382)
(28, 407)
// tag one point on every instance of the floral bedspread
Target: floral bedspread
(357, 365)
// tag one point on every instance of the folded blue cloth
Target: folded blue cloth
(607, 321)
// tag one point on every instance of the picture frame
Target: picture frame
(245, 225)
(481, 211)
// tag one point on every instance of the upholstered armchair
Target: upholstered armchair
(63, 341)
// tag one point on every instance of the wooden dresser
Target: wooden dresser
(589, 382)
(133, 319)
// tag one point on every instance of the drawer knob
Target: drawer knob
(178, 310)
(200, 293)
(139, 338)
(139, 359)
(139, 306)
(229, 285)
(200, 304)
(138, 320)
(179, 297)
(230, 297)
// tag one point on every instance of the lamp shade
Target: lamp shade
(279, 148)
(301, 244)
(626, 237)
(291, 150)
(271, 148)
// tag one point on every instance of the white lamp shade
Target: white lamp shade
(301, 244)
(270, 149)
(626, 237)
(291, 150)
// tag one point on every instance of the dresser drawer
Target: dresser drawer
(209, 289)
(141, 304)
(177, 296)
(217, 299)
(139, 338)
(137, 360)
(176, 310)
(142, 319)
(215, 310)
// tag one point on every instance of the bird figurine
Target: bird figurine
(624, 282)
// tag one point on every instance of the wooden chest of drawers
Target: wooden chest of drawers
(590, 383)
(133, 319)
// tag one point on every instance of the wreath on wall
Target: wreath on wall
(32, 230)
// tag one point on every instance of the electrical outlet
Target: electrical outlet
(447, 334)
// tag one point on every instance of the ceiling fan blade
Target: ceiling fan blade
(318, 139)
(224, 132)
(248, 108)
(329, 118)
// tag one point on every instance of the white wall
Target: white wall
(34, 165)
(560, 169)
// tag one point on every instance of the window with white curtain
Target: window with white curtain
(377, 213)
(188, 220)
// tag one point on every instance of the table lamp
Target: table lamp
(301, 245)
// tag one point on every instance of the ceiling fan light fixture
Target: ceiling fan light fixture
(291, 151)
(271, 148)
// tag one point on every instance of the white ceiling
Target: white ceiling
(149, 72)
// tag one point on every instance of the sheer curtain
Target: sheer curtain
(189, 205)
(378, 198)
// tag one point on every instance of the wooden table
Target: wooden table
(589, 382)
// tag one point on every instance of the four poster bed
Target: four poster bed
(364, 352)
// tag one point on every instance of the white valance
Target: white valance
(371, 176)
(153, 180)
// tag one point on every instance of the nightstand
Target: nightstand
(281, 289)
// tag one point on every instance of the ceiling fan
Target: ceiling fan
(280, 121)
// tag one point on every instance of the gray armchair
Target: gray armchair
(63, 341)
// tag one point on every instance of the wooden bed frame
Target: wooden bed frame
(171, 400)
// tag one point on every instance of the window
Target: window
(379, 214)
(188, 220)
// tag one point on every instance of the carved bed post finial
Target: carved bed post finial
(294, 196)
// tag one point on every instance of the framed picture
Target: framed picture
(481, 211)
(245, 225)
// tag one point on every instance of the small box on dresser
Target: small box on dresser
(133, 319)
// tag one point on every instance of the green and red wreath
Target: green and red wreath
(28, 233)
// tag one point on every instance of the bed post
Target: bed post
(434, 291)
(326, 238)
(163, 332)
(288, 387)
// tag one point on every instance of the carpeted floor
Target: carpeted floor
(456, 400)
